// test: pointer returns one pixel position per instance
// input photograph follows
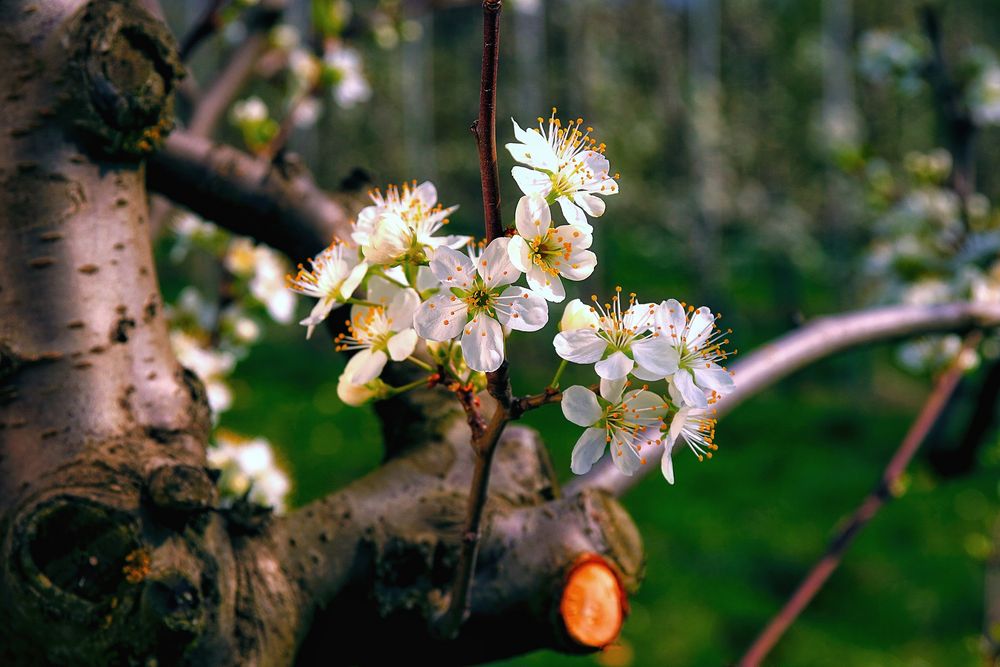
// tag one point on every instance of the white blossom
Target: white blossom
(401, 224)
(357, 395)
(576, 315)
(626, 423)
(250, 111)
(476, 301)
(380, 332)
(544, 253)
(249, 469)
(336, 273)
(696, 428)
(349, 86)
(617, 342)
(266, 271)
(210, 365)
(565, 165)
(698, 342)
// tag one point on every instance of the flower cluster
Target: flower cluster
(248, 471)
(682, 346)
(448, 304)
(930, 246)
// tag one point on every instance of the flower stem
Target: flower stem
(416, 384)
(362, 302)
(423, 364)
(559, 371)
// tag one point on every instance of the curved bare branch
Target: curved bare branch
(797, 349)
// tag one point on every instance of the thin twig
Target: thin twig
(208, 24)
(882, 492)
(237, 71)
(485, 127)
(498, 382)
(274, 149)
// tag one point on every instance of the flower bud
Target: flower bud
(357, 395)
(577, 315)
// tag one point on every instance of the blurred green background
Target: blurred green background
(726, 120)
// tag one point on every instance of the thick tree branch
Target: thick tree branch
(822, 338)
(883, 491)
(280, 206)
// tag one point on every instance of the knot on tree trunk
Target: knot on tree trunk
(123, 69)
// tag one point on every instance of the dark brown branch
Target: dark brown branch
(275, 148)
(485, 126)
(955, 461)
(281, 207)
(498, 382)
(207, 24)
(883, 491)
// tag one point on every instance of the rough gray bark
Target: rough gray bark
(112, 547)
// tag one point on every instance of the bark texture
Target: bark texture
(113, 550)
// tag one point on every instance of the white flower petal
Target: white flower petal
(689, 392)
(537, 151)
(426, 193)
(401, 309)
(402, 344)
(615, 367)
(580, 406)
(578, 315)
(353, 279)
(354, 395)
(581, 346)
(532, 217)
(318, 314)
(667, 464)
(532, 182)
(574, 214)
(645, 374)
(656, 355)
(520, 253)
(611, 390)
(579, 266)
(545, 285)
(639, 318)
(626, 459)
(452, 268)
(591, 205)
(482, 344)
(441, 317)
(381, 291)
(365, 366)
(700, 327)
(671, 320)
(522, 310)
(588, 450)
(495, 266)
(649, 405)
(713, 378)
